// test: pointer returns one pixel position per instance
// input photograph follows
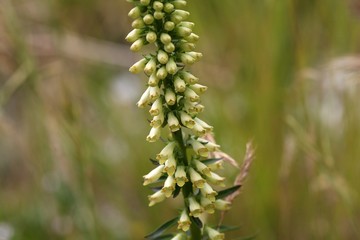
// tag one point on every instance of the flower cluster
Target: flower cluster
(173, 95)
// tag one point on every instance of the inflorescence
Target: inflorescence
(173, 95)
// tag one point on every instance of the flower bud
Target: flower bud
(186, 46)
(201, 167)
(149, 19)
(162, 57)
(133, 35)
(198, 88)
(170, 97)
(138, 23)
(161, 73)
(154, 134)
(199, 149)
(145, 98)
(173, 122)
(180, 176)
(165, 38)
(189, 78)
(157, 121)
(184, 221)
(186, 120)
(222, 205)
(168, 7)
(196, 55)
(158, 6)
(175, 18)
(208, 205)
(138, 66)
(182, 13)
(170, 47)
(169, 186)
(196, 178)
(179, 4)
(169, 26)
(179, 85)
(187, 59)
(191, 95)
(194, 207)
(150, 67)
(154, 175)
(156, 107)
(151, 37)
(153, 80)
(158, 15)
(154, 93)
(213, 234)
(145, 2)
(208, 192)
(170, 165)
(137, 45)
(190, 25)
(135, 12)
(183, 31)
(166, 152)
(157, 197)
(171, 66)
(192, 38)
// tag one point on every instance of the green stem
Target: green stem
(187, 188)
(195, 232)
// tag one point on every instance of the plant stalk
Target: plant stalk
(187, 188)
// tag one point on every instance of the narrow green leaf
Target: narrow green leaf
(153, 161)
(227, 192)
(157, 233)
(165, 237)
(211, 160)
(246, 238)
(176, 191)
(224, 228)
(196, 221)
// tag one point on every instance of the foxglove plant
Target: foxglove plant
(186, 163)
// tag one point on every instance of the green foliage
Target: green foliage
(157, 233)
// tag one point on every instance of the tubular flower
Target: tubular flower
(195, 207)
(173, 97)
(157, 197)
(196, 178)
(222, 205)
(169, 186)
(167, 151)
(207, 204)
(184, 221)
(154, 175)
(208, 192)
(213, 234)
(180, 176)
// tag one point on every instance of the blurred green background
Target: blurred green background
(285, 73)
